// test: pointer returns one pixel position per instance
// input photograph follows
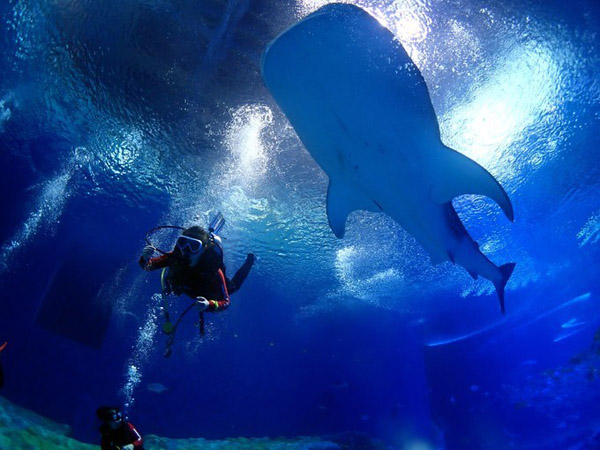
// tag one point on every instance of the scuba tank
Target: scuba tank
(217, 223)
(214, 227)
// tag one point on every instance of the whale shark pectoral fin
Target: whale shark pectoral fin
(455, 174)
(342, 199)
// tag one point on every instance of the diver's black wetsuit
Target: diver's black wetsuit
(125, 434)
(203, 279)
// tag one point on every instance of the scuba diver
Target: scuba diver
(117, 433)
(195, 267)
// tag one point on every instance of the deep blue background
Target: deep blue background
(114, 120)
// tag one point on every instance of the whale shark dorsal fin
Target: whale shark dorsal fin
(342, 199)
(457, 175)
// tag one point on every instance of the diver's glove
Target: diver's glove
(202, 303)
(250, 258)
(146, 255)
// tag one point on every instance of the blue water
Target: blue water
(116, 117)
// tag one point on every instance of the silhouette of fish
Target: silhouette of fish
(362, 109)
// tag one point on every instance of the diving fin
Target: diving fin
(217, 223)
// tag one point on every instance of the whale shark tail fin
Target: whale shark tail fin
(506, 270)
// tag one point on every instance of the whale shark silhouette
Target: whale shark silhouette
(361, 108)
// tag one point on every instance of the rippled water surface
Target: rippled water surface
(116, 117)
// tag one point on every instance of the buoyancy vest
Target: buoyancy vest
(203, 278)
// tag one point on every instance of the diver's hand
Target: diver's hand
(147, 252)
(146, 255)
(202, 303)
(250, 258)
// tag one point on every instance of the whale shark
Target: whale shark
(362, 109)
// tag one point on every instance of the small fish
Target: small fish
(529, 362)
(572, 323)
(156, 387)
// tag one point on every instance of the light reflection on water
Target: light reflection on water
(498, 81)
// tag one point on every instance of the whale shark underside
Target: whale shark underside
(362, 109)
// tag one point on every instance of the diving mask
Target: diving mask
(189, 246)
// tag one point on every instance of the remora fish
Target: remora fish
(362, 109)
